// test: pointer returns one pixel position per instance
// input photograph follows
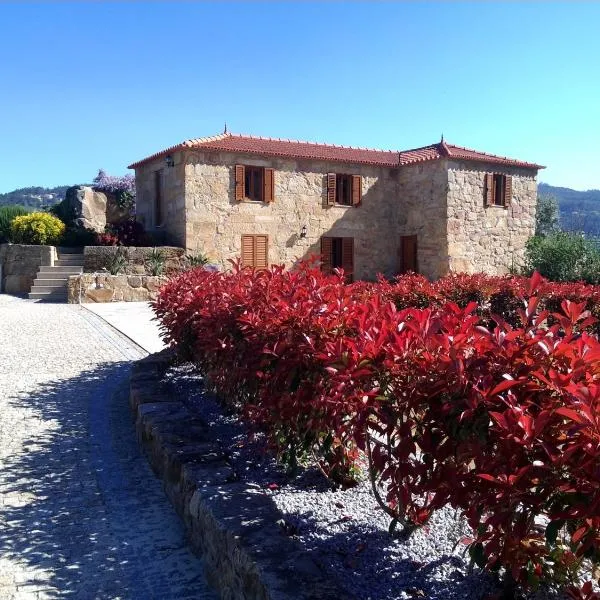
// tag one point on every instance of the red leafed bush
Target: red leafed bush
(107, 239)
(466, 392)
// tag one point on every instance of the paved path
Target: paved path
(134, 319)
(81, 514)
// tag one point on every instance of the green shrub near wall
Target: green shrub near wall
(37, 228)
(7, 214)
(563, 256)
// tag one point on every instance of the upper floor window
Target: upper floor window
(254, 183)
(498, 189)
(158, 197)
(344, 190)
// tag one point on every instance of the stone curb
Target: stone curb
(232, 525)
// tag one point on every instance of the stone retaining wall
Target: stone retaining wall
(97, 258)
(19, 264)
(90, 287)
(231, 525)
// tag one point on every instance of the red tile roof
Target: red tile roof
(246, 144)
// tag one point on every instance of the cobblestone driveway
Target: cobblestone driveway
(81, 514)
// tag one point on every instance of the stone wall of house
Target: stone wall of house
(421, 211)
(19, 264)
(490, 239)
(215, 221)
(172, 230)
(97, 258)
(89, 288)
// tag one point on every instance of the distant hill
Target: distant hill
(34, 197)
(579, 211)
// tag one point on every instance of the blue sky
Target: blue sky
(85, 85)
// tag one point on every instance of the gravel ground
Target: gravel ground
(81, 514)
(345, 531)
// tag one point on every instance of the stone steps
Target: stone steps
(50, 283)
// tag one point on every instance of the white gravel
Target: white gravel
(345, 531)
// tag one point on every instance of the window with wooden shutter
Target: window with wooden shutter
(348, 258)
(489, 189)
(356, 190)
(408, 254)
(255, 251)
(326, 251)
(508, 190)
(498, 189)
(331, 188)
(269, 191)
(240, 182)
(338, 253)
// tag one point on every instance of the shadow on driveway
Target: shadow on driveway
(82, 514)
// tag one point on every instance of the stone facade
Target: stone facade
(88, 288)
(488, 238)
(19, 264)
(440, 201)
(97, 258)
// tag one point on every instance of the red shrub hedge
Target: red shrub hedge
(463, 392)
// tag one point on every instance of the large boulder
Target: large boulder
(87, 207)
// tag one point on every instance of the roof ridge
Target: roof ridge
(330, 145)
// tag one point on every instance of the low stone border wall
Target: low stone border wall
(231, 525)
(19, 264)
(97, 258)
(91, 287)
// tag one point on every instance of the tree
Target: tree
(547, 219)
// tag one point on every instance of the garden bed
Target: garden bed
(332, 535)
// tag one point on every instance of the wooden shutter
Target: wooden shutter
(269, 183)
(326, 252)
(247, 251)
(331, 179)
(261, 251)
(408, 262)
(240, 182)
(348, 258)
(489, 189)
(507, 190)
(356, 190)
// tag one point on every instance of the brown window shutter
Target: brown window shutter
(409, 254)
(240, 182)
(269, 183)
(507, 190)
(261, 251)
(348, 258)
(331, 178)
(326, 250)
(247, 251)
(489, 189)
(356, 190)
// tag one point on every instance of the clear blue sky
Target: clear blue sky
(90, 85)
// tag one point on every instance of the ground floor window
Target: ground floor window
(255, 251)
(338, 253)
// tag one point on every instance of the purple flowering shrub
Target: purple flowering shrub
(123, 188)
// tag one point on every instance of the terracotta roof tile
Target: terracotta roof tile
(246, 144)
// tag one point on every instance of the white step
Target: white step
(56, 282)
(62, 289)
(54, 275)
(61, 262)
(60, 296)
(69, 270)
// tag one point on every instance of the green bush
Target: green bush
(37, 228)
(117, 263)
(79, 236)
(7, 214)
(563, 257)
(196, 260)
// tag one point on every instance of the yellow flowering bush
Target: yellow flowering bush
(37, 228)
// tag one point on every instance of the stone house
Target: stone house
(265, 201)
